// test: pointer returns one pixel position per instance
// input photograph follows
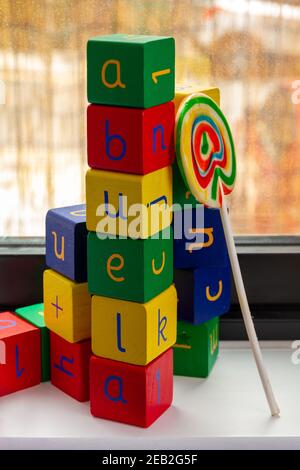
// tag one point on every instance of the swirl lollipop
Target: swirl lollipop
(206, 158)
(205, 149)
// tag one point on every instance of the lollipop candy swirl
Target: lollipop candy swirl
(205, 149)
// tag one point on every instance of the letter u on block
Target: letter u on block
(58, 255)
(213, 298)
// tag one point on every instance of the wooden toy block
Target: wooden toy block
(181, 194)
(202, 242)
(132, 332)
(203, 293)
(196, 349)
(67, 307)
(70, 366)
(183, 91)
(66, 236)
(131, 394)
(20, 364)
(126, 70)
(130, 140)
(127, 269)
(129, 205)
(34, 314)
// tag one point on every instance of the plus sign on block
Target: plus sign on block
(67, 307)
(20, 354)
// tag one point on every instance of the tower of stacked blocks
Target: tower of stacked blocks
(107, 331)
(130, 125)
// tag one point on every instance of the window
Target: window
(249, 48)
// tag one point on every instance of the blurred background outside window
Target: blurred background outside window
(250, 49)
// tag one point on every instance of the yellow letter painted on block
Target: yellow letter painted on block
(117, 82)
(213, 298)
(159, 270)
(206, 231)
(60, 255)
(213, 340)
(79, 213)
(111, 268)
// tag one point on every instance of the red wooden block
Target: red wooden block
(130, 140)
(20, 354)
(131, 394)
(70, 366)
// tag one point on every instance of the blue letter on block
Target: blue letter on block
(162, 323)
(61, 366)
(158, 385)
(19, 371)
(119, 336)
(109, 139)
(161, 130)
(119, 381)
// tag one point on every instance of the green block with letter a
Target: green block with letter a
(130, 70)
(129, 269)
(34, 314)
(196, 348)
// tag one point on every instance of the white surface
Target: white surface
(226, 411)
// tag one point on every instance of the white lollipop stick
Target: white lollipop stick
(240, 288)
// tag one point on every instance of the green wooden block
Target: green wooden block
(127, 70)
(181, 194)
(128, 269)
(196, 348)
(34, 314)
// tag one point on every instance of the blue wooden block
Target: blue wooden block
(66, 241)
(203, 241)
(203, 293)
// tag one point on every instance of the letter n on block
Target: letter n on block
(20, 362)
(129, 140)
(70, 366)
(131, 394)
(133, 332)
(66, 238)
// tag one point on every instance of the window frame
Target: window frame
(270, 266)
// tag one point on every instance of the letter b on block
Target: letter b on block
(134, 71)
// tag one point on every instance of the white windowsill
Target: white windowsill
(226, 411)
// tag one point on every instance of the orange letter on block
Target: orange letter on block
(117, 81)
(111, 268)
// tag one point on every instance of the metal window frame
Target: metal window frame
(270, 267)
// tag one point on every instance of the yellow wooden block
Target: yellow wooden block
(184, 90)
(128, 205)
(133, 332)
(67, 307)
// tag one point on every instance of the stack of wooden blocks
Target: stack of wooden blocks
(130, 251)
(202, 273)
(109, 298)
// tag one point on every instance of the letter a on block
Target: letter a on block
(110, 394)
(117, 82)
